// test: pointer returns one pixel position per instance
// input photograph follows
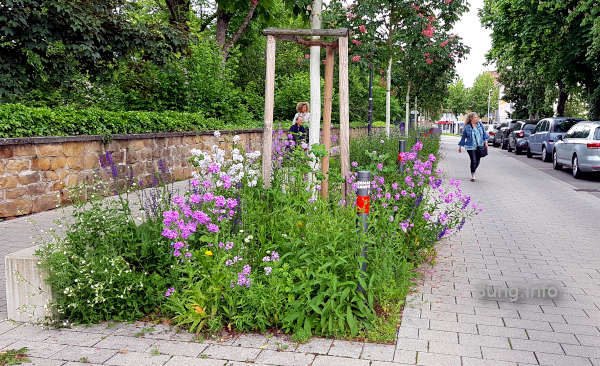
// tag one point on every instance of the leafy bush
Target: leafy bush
(17, 120)
(107, 267)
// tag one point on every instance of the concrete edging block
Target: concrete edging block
(28, 296)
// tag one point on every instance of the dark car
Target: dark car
(546, 133)
(517, 140)
(498, 129)
(505, 133)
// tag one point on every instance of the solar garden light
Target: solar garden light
(363, 206)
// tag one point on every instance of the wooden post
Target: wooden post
(329, 62)
(344, 110)
(267, 166)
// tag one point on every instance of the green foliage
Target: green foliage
(107, 267)
(480, 91)
(13, 357)
(544, 51)
(19, 121)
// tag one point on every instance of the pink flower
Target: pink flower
(356, 58)
(447, 2)
(445, 43)
(362, 28)
(356, 42)
(428, 31)
(428, 61)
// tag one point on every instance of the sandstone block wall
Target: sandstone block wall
(35, 173)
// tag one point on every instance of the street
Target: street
(536, 232)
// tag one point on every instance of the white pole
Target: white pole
(315, 79)
(407, 110)
(388, 99)
(269, 106)
(488, 113)
(344, 95)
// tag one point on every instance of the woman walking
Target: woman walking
(474, 140)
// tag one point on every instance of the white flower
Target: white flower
(236, 139)
(217, 134)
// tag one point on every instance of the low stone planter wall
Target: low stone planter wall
(35, 173)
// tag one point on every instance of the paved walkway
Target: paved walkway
(535, 233)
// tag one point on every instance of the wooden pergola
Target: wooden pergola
(332, 40)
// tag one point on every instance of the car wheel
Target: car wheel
(529, 155)
(545, 156)
(575, 168)
(555, 164)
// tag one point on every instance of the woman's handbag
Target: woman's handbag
(483, 151)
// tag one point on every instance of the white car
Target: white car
(579, 149)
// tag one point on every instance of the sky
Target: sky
(478, 39)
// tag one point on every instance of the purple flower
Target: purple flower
(418, 200)
(169, 291)
(195, 183)
(442, 233)
(162, 167)
(188, 254)
(207, 184)
(220, 201)
(195, 198)
(443, 218)
(169, 234)
(427, 216)
(229, 245)
(207, 197)
(178, 245)
(232, 203)
(354, 164)
(274, 256)
(212, 228)
(466, 202)
(178, 200)
(201, 217)
(266, 259)
(246, 269)
(395, 186)
(214, 168)
(380, 166)
(170, 217)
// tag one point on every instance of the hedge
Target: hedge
(17, 120)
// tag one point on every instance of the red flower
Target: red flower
(428, 32)
(431, 18)
(445, 43)
(429, 61)
(426, 54)
(356, 42)
(447, 2)
(356, 58)
(362, 28)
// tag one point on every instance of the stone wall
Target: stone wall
(35, 173)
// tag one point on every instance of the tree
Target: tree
(458, 98)
(483, 90)
(547, 44)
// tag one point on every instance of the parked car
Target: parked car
(517, 140)
(547, 131)
(505, 133)
(579, 149)
(497, 133)
(491, 131)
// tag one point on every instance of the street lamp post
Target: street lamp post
(488, 110)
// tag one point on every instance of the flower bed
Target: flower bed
(231, 255)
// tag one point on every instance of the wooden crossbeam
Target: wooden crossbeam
(280, 33)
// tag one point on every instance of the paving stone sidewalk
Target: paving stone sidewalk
(535, 232)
